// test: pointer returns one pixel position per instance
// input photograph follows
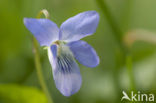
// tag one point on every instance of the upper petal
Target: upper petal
(84, 53)
(44, 30)
(66, 72)
(79, 26)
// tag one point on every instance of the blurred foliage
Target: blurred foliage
(21, 94)
(103, 84)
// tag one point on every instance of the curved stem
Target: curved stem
(45, 12)
(37, 61)
(39, 70)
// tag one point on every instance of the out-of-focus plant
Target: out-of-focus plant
(139, 35)
(126, 40)
(12, 93)
(118, 33)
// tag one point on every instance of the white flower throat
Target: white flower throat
(65, 58)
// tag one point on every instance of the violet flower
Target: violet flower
(64, 46)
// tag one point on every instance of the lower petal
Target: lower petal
(66, 72)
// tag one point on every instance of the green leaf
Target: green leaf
(11, 93)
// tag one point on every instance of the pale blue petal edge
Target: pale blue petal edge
(79, 26)
(84, 53)
(44, 30)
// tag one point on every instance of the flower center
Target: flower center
(59, 42)
(65, 58)
(62, 48)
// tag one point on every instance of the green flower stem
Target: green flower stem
(119, 36)
(37, 61)
(39, 70)
(105, 10)
(129, 65)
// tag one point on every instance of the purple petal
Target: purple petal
(79, 26)
(84, 53)
(44, 30)
(66, 72)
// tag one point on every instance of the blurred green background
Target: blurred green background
(104, 84)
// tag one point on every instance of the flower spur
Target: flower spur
(64, 46)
